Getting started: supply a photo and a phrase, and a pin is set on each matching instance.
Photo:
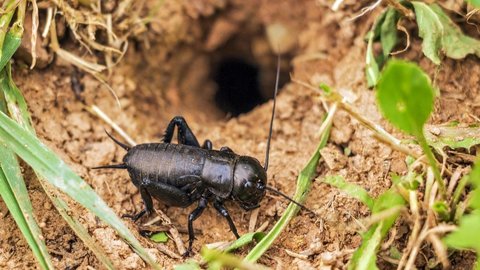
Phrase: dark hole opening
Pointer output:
(238, 85)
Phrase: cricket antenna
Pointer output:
(267, 153)
(124, 146)
(289, 199)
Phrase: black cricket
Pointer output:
(181, 174)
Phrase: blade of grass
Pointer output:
(10, 45)
(18, 109)
(365, 257)
(213, 256)
(303, 184)
(14, 193)
(244, 240)
(351, 190)
(52, 168)
(12, 204)
(5, 20)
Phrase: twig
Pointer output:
(412, 240)
(440, 249)
(33, 38)
(48, 22)
(253, 220)
(376, 218)
(99, 113)
(93, 69)
(173, 232)
(428, 188)
(379, 132)
(404, 30)
(469, 15)
(263, 227)
(365, 10)
(453, 180)
(331, 112)
(296, 255)
(430, 222)
(336, 5)
(405, 11)
(162, 248)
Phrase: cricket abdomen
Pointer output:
(164, 162)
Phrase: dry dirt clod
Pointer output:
(334, 158)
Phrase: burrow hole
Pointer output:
(244, 71)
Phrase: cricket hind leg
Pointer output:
(148, 206)
(184, 134)
(169, 194)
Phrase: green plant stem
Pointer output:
(459, 190)
(303, 184)
(17, 28)
(433, 163)
(457, 209)
(5, 20)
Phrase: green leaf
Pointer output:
(365, 257)
(189, 265)
(388, 32)
(52, 168)
(14, 193)
(441, 208)
(160, 237)
(245, 239)
(351, 190)
(430, 29)
(303, 184)
(371, 67)
(405, 96)
(219, 259)
(326, 89)
(475, 3)
(474, 179)
(475, 175)
(441, 35)
(10, 46)
(453, 137)
(387, 200)
(18, 110)
(395, 253)
(467, 235)
(384, 29)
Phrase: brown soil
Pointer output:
(171, 76)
